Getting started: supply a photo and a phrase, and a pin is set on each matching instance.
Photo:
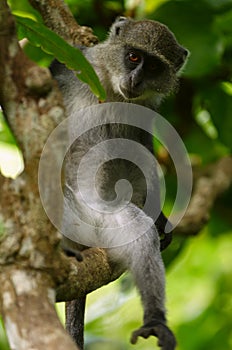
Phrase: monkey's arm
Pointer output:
(143, 259)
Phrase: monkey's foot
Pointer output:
(166, 339)
(73, 253)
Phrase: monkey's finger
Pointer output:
(166, 339)
(142, 332)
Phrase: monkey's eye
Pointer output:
(134, 57)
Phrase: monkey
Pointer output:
(140, 63)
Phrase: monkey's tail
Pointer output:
(74, 314)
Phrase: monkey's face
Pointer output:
(144, 76)
(146, 58)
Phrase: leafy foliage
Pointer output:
(204, 27)
(39, 35)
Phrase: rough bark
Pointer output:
(93, 272)
(211, 183)
(32, 265)
(27, 307)
(29, 256)
(57, 16)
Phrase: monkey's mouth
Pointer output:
(130, 94)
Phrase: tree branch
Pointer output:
(28, 93)
(212, 183)
(29, 250)
(31, 264)
(57, 17)
(27, 306)
(84, 277)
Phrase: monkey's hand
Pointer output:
(162, 223)
(166, 239)
(166, 339)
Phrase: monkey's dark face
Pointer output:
(146, 75)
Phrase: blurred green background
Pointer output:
(199, 269)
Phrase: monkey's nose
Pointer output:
(181, 59)
(185, 53)
(136, 79)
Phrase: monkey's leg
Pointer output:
(74, 312)
(147, 268)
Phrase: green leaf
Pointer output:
(5, 134)
(23, 8)
(39, 35)
(223, 22)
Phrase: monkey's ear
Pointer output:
(118, 25)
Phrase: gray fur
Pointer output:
(142, 256)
